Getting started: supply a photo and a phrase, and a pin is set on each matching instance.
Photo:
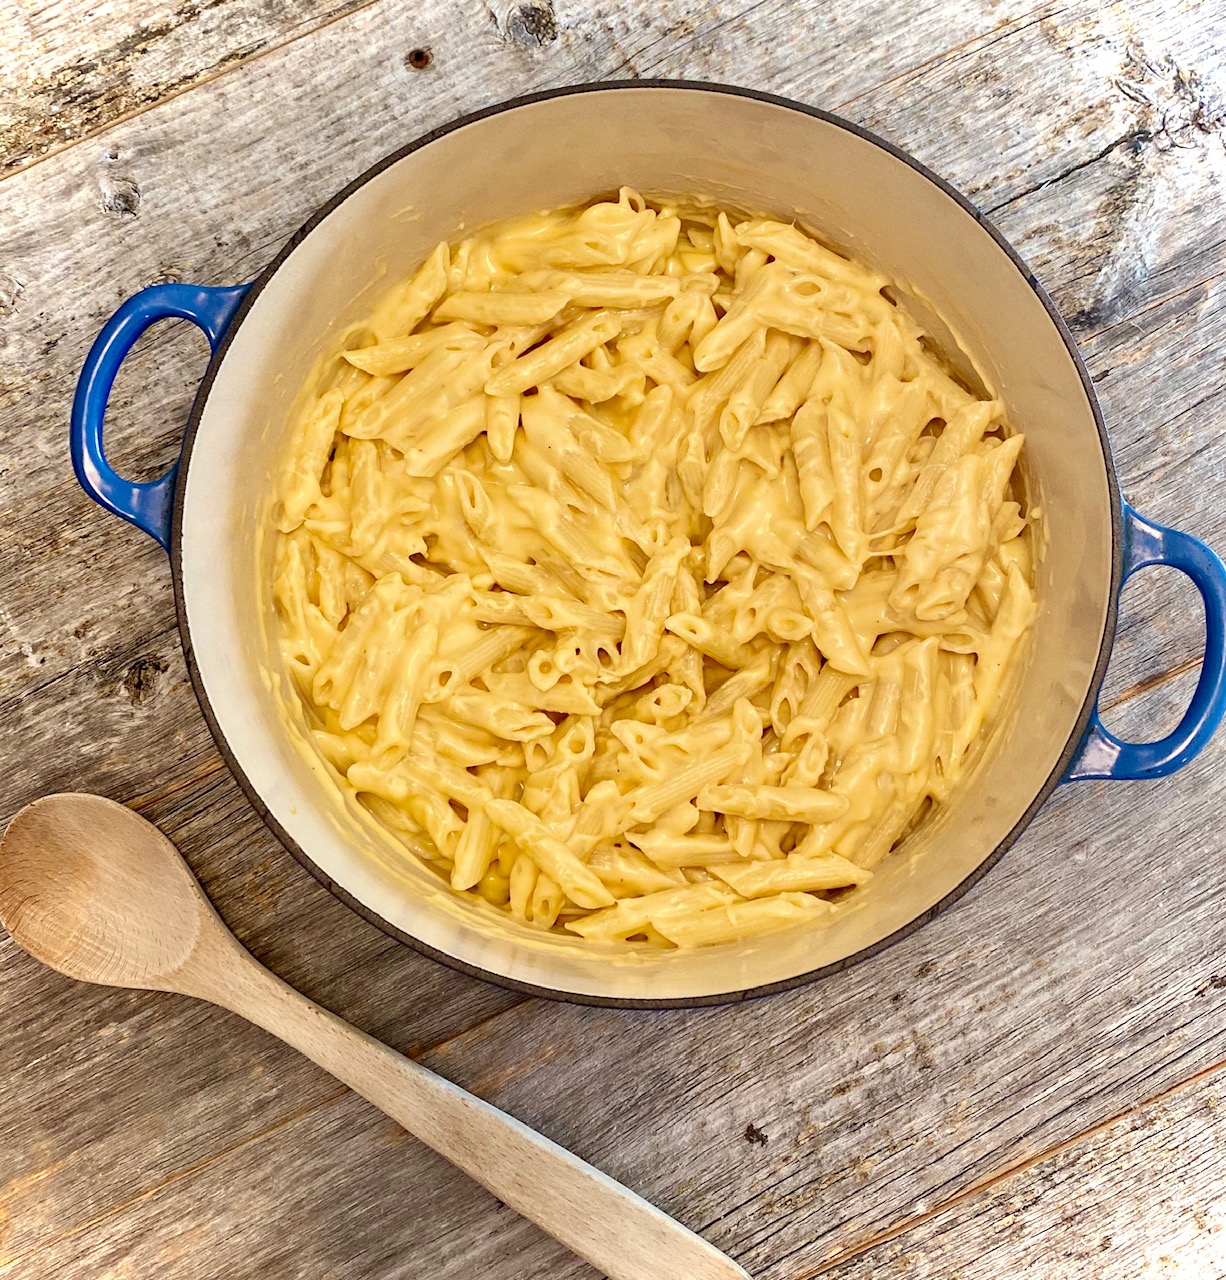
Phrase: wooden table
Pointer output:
(1031, 1086)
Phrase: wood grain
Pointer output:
(348, 1198)
(1075, 982)
(1003, 1028)
(70, 71)
(1074, 1213)
(93, 890)
(76, 73)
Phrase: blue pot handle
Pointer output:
(1102, 754)
(147, 506)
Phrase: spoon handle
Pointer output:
(618, 1232)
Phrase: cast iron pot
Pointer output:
(751, 151)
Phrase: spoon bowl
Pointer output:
(91, 889)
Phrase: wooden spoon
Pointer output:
(93, 890)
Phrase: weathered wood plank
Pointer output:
(1075, 1213)
(75, 73)
(62, 243)
(339, 1191)
(155, 1108)
(73, 77)
(1013, 1028)
(70, 71)
(1095, 80)
(1030, 1012)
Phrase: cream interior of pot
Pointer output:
(749, 154)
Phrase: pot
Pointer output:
(751, 151)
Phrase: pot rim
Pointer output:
(552, 993)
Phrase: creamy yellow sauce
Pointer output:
(645, 573)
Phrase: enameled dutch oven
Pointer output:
(750, 151)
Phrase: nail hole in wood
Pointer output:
(418, 59)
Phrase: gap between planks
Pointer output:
(7, 1261)
(188, 1171)
(1005, 1172)
(1152, 682)
(171, 94)
(1161, 301)
(212, 765)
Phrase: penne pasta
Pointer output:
(534, 838)
(793, 874)
(566, 348)
(501, 308)
(401, 354)
(791, 804)
(646, 574)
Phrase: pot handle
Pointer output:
(148, 505)
(1102, 754)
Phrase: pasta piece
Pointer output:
(542, 363)
(626, 873)
(792, 874)
(735, 920)
(944, 557)
(501, 423)
(402, 354)
(534, 838)
(309, 454)
(632, 915)
(647, 612)
(847, 505)
(793, 387)
(958, 437)
(502, 718)
(1013, 619)
(407, 306)
(708, 639)
(521, 887)
(672, 852)
(460, 427)
(648, 802)
(620, 289)
(746, 401)
(505, 308)
(792, 804)
(398, 714)
(428, 808)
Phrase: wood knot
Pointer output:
(120, 195)
(533, 25)
(141, 682)
(10, 291)
(755, 1136)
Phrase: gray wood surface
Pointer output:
(991, 1098)
(71, 69)
(1069, 1215)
